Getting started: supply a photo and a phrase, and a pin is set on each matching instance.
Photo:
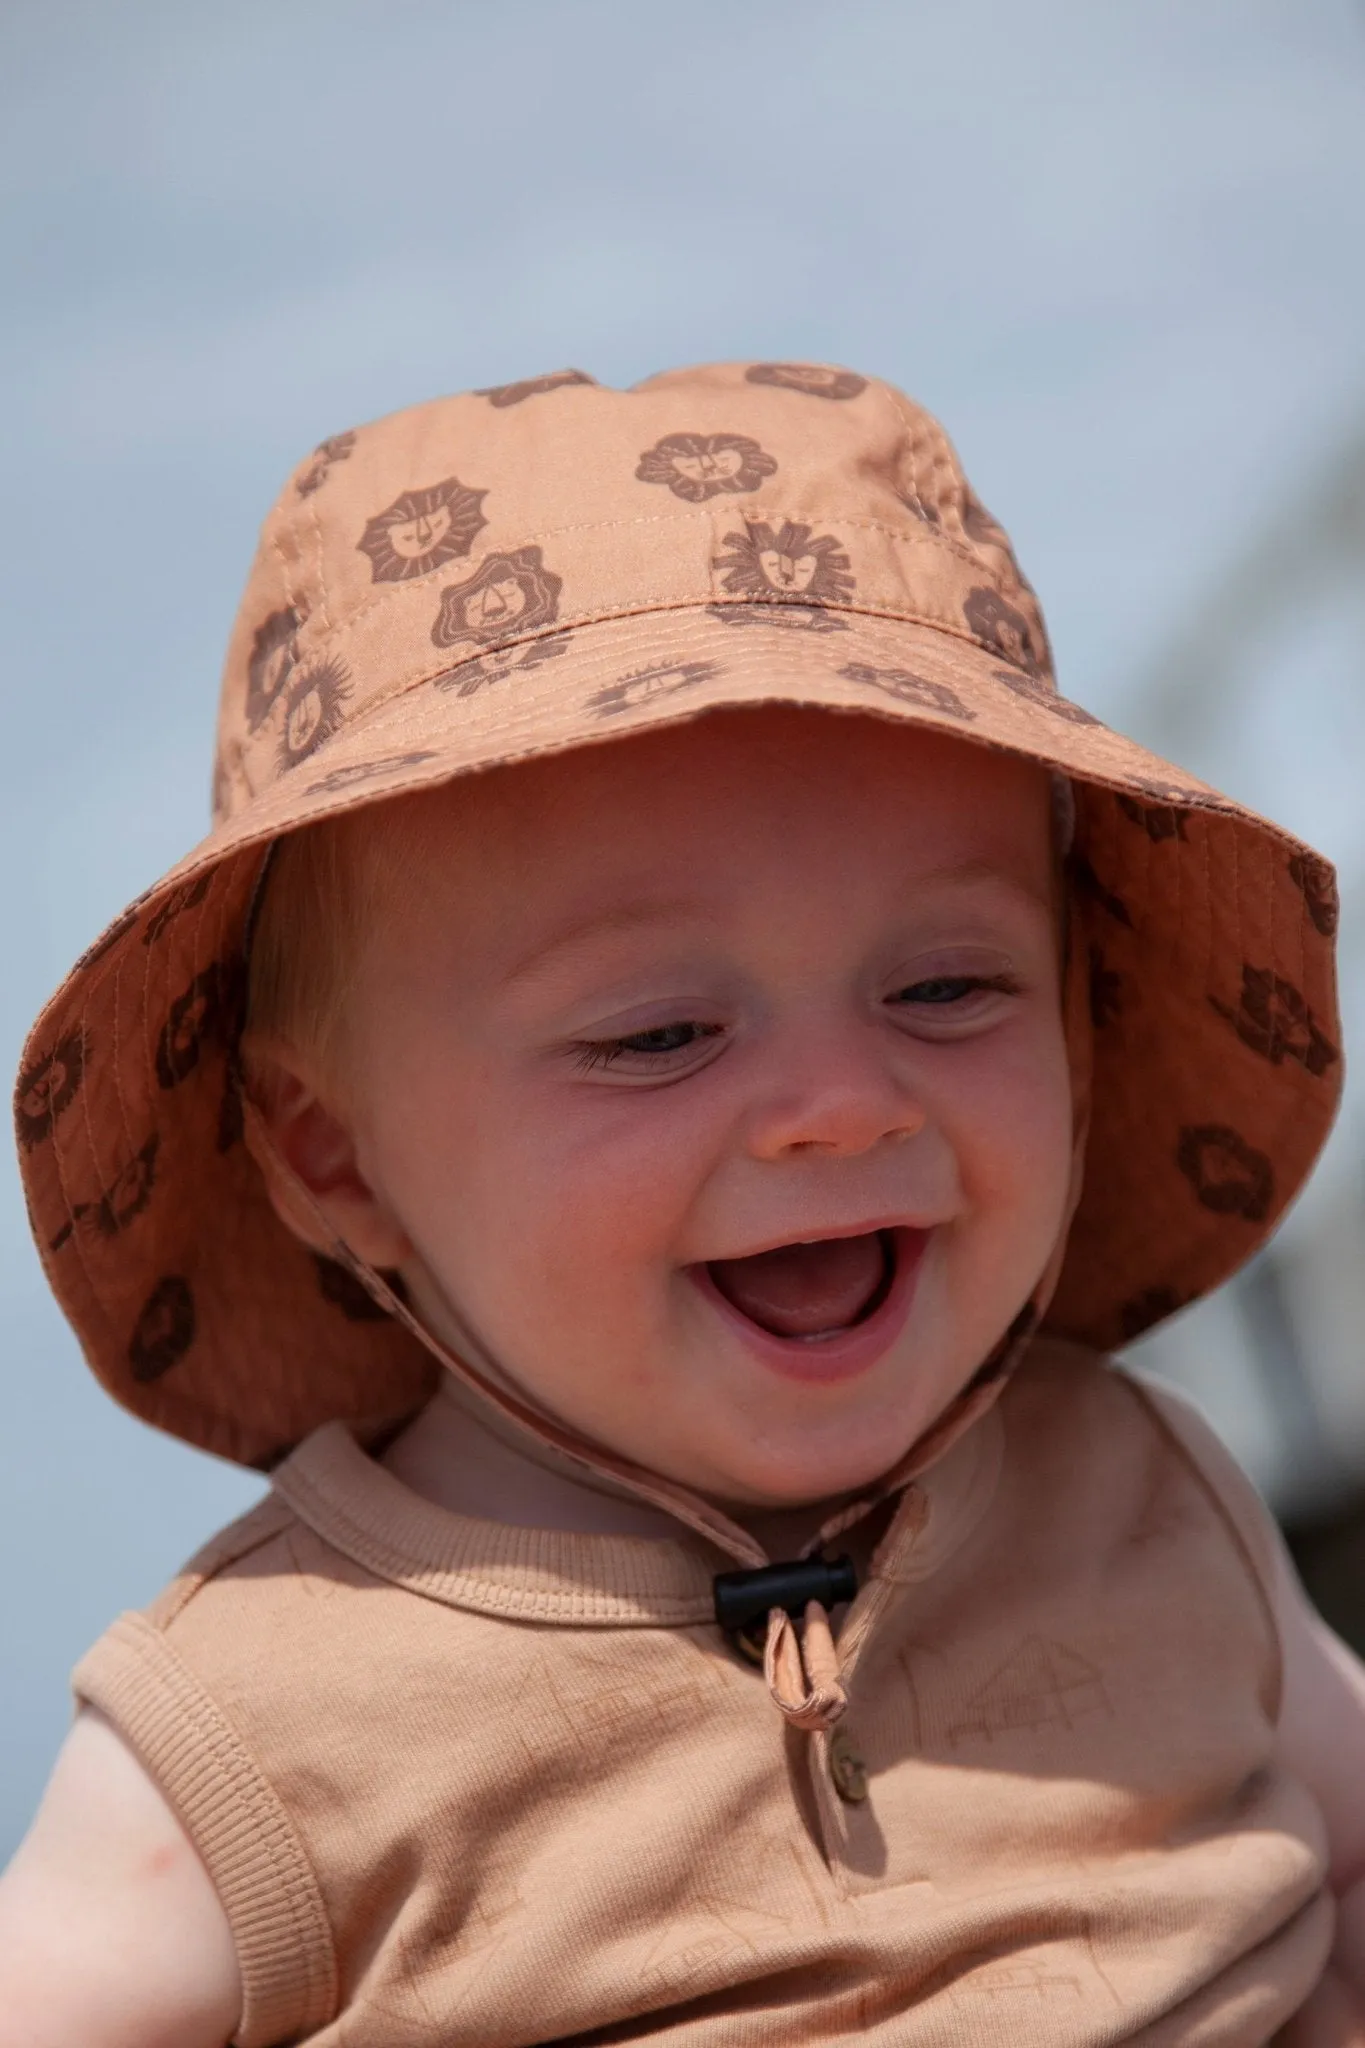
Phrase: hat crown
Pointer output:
(426, 545)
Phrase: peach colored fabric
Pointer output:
(553, 564)
(465, 1783)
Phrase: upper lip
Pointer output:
(870, 1226)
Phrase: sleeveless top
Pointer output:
(462, 1783)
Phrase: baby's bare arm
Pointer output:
(1322, 1740)
(111, 1933)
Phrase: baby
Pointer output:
(678, 1058)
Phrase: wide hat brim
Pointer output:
(1206, 935)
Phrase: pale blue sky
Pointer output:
(1119, 249)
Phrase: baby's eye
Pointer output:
(947, 1001)
(641, 1048)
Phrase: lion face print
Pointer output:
(991, 619)
(356, 773)
(791, 618)
(274, 653)
(49, 1086)
(664, 679)
(503, 395)
(1273, 1019)
(467, 678)
(701, 466)
(164, 1330)
(421, 530)
(125, 1198)
(1317, 883)
(908, 688)
(336, 448)
(314, 709)
(1228, 1176)
(508, 593)
(816, 380)
(208, 1012)
(788, 565)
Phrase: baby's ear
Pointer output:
(306, 1152)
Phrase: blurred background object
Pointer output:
(1118, 249)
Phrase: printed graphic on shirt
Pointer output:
(126, 1196)
(1275, 1021)
(503, 395)
(789, 618)
(421, 530)
(701, 466)
(336, 448)
(314, 708)
(1228, 1175)
(274, 652)
(909, 689)
(48, 1086)
(1317, 884)
(786, 565)
(816, 380)
(645, 684)
(164, 1331)
(708, 1935)
(1042, 1684)
(506, 592)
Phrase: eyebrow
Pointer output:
(652, 911)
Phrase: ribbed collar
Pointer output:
(594, 1581)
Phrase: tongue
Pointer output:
(806, 1290)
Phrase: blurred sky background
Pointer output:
(1118, 247)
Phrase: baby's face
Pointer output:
(714, 1082)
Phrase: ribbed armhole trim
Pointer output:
(234, 1818)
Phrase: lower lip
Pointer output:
(844, 1353)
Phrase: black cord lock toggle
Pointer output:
(742, 1598)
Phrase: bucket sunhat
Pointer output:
(553, 564)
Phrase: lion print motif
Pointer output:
(1316, 882)
(791, 565)
(503, 395)
(164, 1330)
(1038, 690)
(907, 688)
(664, 679)
(1002, 628)
(273, 658)
(794, 618)
(422, 530)
(314, 708)
(188, 896)
(816, 380)
(467, 678)
(49, 1086)
(336, 448)
(125, 1198)
(208, 1012)
(1273, 1019)
(506, 593)
(701, 466)
(357, 772)
(1159, 821)
(1229, 1176)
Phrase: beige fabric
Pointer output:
(550, 565)
(462, 1783)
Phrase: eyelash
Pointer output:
(596, 1055)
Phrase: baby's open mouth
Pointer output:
(813, 1289)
